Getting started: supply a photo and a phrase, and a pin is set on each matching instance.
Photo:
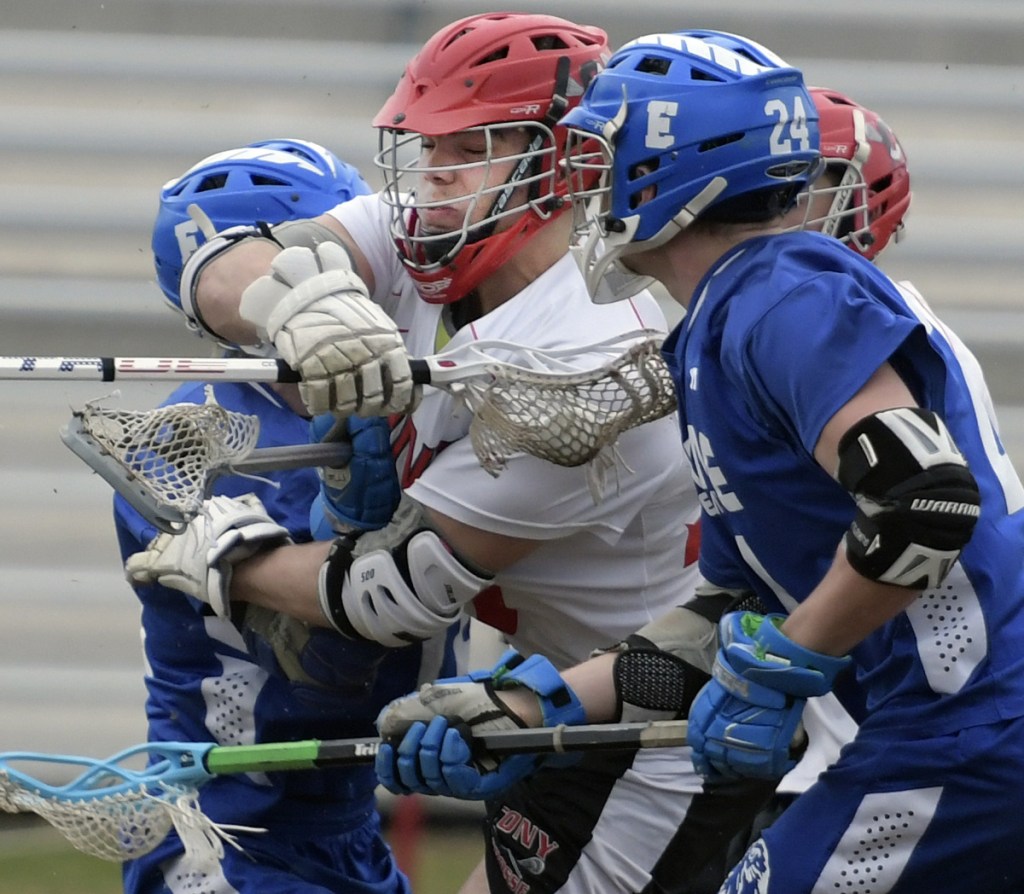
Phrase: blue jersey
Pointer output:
(781, 333)
(204, 686)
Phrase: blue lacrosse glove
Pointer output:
(428, 735)
(744, 721)
(363, 494)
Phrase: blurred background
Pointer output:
(102, 102)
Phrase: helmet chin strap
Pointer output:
(441, 246)
(686, 216)
(617, 238)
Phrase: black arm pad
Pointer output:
(917, 502)
(652, 684)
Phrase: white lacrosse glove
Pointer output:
(199, 560)
(317, 312)
(462, 700)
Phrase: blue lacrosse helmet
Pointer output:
(270, 181)
(744, 46)
(692, 124)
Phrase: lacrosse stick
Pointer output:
(540, 402)
(117, 813)
(164, 462)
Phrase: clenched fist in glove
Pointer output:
(199, 560)
(428, 735)
(745, 720)
(362, 494)
(317, 312)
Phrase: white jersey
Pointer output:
(604, 568)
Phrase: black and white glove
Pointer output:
(199, 560)
(317, 312)
(428, 735)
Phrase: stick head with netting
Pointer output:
(568, 418)
(161, 459)
(114, 812)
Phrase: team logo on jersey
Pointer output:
(713, 489)
(411, 457)
(490, 608)
(753, 873)
(522, 835)
(512, 869)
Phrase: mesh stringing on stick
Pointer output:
(114, 827)
(172, 449)
(113, 812)
(567, 418)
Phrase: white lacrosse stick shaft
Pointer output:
(457, 365)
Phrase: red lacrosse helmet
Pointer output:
(871, 201)
(495, 74)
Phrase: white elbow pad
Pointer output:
(214, 247)
(399, 596)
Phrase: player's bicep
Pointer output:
(885, 390)
(917, 501)
(484, 548)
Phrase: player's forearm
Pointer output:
(593, 683)
(220, 287)
(843, 609)
(284, 580)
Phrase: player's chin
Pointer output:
(441, 221)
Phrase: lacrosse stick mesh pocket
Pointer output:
(567, 418)
(116, 827)
(172, 449)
